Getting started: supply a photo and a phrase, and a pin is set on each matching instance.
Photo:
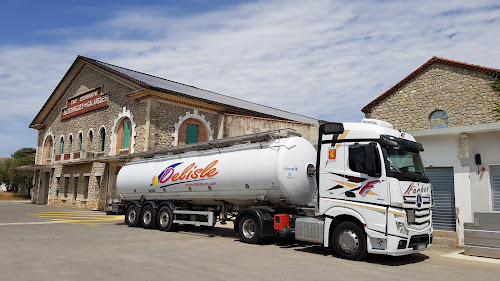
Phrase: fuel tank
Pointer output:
(275, 172)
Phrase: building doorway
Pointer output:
(43, 194)
(443, 212)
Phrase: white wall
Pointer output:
(450, 151)
(488, 145)
(472, 190)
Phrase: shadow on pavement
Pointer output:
(396, 261)
(200, 231)
(300, 246)
(374, 259)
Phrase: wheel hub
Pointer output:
(248, 228)
(147, 217)
(164, 218)
(348, 241)
(132, 216)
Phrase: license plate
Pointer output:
(421, 246)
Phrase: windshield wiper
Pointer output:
(393, 165)
(412, 174)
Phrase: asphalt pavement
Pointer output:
(54, 243)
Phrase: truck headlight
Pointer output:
(401, 227)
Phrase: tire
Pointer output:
(147, 217)
(165, 219)
(249, 230)
(132, 216)
(349, 241)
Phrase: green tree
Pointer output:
(14, 179)
(24, 152)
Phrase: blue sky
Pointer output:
(324, 59)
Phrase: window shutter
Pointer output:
(192, 133)
(126, 135)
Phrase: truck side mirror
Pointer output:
(331, 129)
(373, 167)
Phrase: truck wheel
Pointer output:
(165, 219)
(148, 219)
(349, 241)
(132, 216)
(249, 230)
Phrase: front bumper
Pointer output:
(398, 245)
(397, 241)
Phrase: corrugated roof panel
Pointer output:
(207, 95)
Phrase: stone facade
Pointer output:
(165, 115)
(464, 94)
(86, 177)
(235, 125)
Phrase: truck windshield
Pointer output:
(404, 164)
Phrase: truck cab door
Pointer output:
(331, 169)
(365, 177)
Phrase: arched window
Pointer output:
(438, 119)
(123, 136)
(80, 141)
(192, 127)
(70, 142)
(48, 149)
(192, 131)
(91, 140)
(102, 133)
(61, 148)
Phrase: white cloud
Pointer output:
(324, 59)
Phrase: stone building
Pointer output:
(448, 106)
(100, 112)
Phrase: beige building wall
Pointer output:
(234, 125)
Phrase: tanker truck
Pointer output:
(363, 190)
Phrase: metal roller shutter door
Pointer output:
(443, 212)
(495, 186)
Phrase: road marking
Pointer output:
(34, 222)
(91, 218)
(458, 255)
(15, 202)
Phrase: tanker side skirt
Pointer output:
(208, 214)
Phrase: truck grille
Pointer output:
(418, 219)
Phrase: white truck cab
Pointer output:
(373, 173)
